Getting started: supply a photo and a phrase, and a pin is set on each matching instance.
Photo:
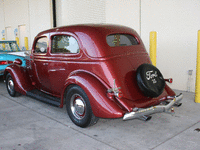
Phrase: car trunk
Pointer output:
(122, 69)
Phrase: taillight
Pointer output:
(10, 62)
(5, 62)
(170, 80)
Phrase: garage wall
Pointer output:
(176, 23)
(84, 11)
(2, 27)
(40, 16)
(34, 15)
(15, 14)
(124, 12)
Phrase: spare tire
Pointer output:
(150, 80)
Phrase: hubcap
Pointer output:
(10, 85)
(78, 106)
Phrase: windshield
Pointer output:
(8, 47)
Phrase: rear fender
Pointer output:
(20, 77)
(96, 91)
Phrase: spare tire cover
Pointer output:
(150, 80)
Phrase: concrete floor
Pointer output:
(28, 124)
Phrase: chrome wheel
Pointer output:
(10, 85)
(78, 106)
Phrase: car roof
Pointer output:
(87, 28)
(93, 36)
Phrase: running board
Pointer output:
(44, 97)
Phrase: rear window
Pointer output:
(115, 40)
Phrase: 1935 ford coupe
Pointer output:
(98, 71)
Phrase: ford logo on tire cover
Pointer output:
(150, 80)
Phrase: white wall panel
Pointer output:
(40, 16)
(80, 12)
(14, 13)
(2, 23)
(176, 23)
(59, 12)
(9, 34)
(21, 35)
(124, 12)
(36, 15)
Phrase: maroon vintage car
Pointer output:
(98, 71)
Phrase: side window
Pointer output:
(41, 45)
(64, 44)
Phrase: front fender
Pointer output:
(20, 77)
(96, 91)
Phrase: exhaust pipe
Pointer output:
(145, 118)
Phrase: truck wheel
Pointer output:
(78, 107)
(11, 86)
(150, 80)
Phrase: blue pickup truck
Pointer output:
(9, 51)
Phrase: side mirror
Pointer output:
(18, 61)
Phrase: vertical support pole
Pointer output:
(26, 42)
(153, 44)
(54, 13)
(197, 90)
(17, 40)
(3, 39)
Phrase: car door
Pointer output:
(64, 53)
(40, 64)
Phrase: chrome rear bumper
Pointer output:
(140, 113)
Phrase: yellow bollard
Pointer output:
(197, 90)
(26, 42)
(17, 40)
(152, 44)
(3, 39)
